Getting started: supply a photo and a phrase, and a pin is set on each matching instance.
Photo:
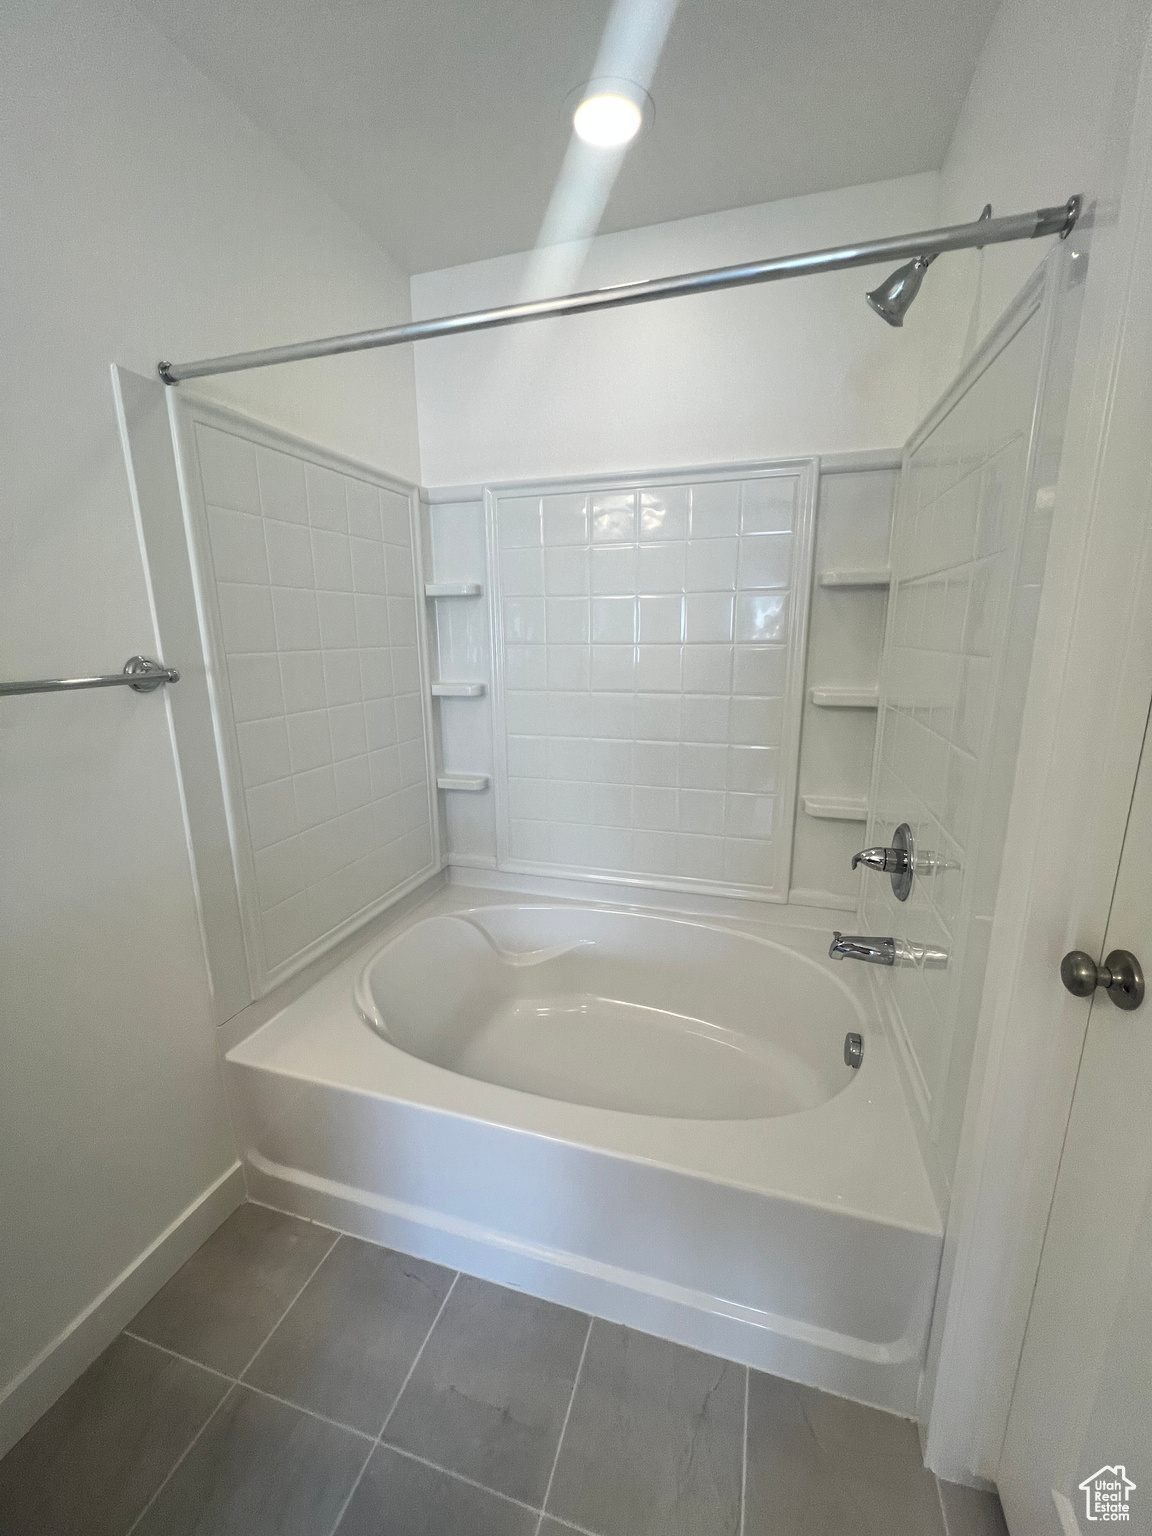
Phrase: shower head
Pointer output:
(892, 298)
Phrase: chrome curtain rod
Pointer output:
(956, 237)
(140, 673)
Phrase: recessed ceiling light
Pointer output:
(607, 120)
(608, 112)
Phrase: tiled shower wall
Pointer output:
(652, 650)
(308, 583)
(687, 575)
(969, 544)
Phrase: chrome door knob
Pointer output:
(1120, 976)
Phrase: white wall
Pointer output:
(143, 217)
(785, 370)
(1031, 132)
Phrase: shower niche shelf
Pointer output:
(845, 698)
(459, 690)
(860, 580)
(452, 589)
(835, 807)
(469, 783)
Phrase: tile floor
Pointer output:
(292, 1382)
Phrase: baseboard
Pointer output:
(73, 1350)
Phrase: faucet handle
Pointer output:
(887, 860)
(899, 861)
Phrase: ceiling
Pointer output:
(440, 126)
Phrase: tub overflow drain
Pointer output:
(853, 1049)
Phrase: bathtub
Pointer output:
(647, 1115)
(645, 1014)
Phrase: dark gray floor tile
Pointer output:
(347, 1344)
(98, 1455)
(821, 1466)
(654, 1443)
(401, 1497)
(221, 1306)
(489, 1395)
(261, 1468)
(971, 1511)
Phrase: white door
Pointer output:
(1077, 1457)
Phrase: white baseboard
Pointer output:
(75, 1347)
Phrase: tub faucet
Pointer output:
(855, 946)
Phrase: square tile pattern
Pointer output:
(646, 654)
(292, 1382)
(968, 557)
(315, 591)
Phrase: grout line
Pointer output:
(361, 1434)
(461, 1477)
(288, 1308)
(416, 1361)
(372, 1448)
(744, 1454)
(180, 1460)
(355, 1484)
(569, 1525)
(176, 1355)
(564, 1427)
(943, 1510)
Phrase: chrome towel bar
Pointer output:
(140, 673)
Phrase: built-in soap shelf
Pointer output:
(452, 589)
(859, 579)
(470, 783)
(459, 690)
(834, 807)
(845, 698)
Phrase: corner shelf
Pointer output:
(459, 690)
(834, 808)
(859, 579)
(470, 783)
(452, 589)
(845, 698)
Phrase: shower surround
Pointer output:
(308, 571)
(612, 679)
(641, 696)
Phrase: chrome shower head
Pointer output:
(892, 298)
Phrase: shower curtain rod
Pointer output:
(955, 237)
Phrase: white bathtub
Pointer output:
(641, 1114)
(647, 1014)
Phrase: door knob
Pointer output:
(1120, 976)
